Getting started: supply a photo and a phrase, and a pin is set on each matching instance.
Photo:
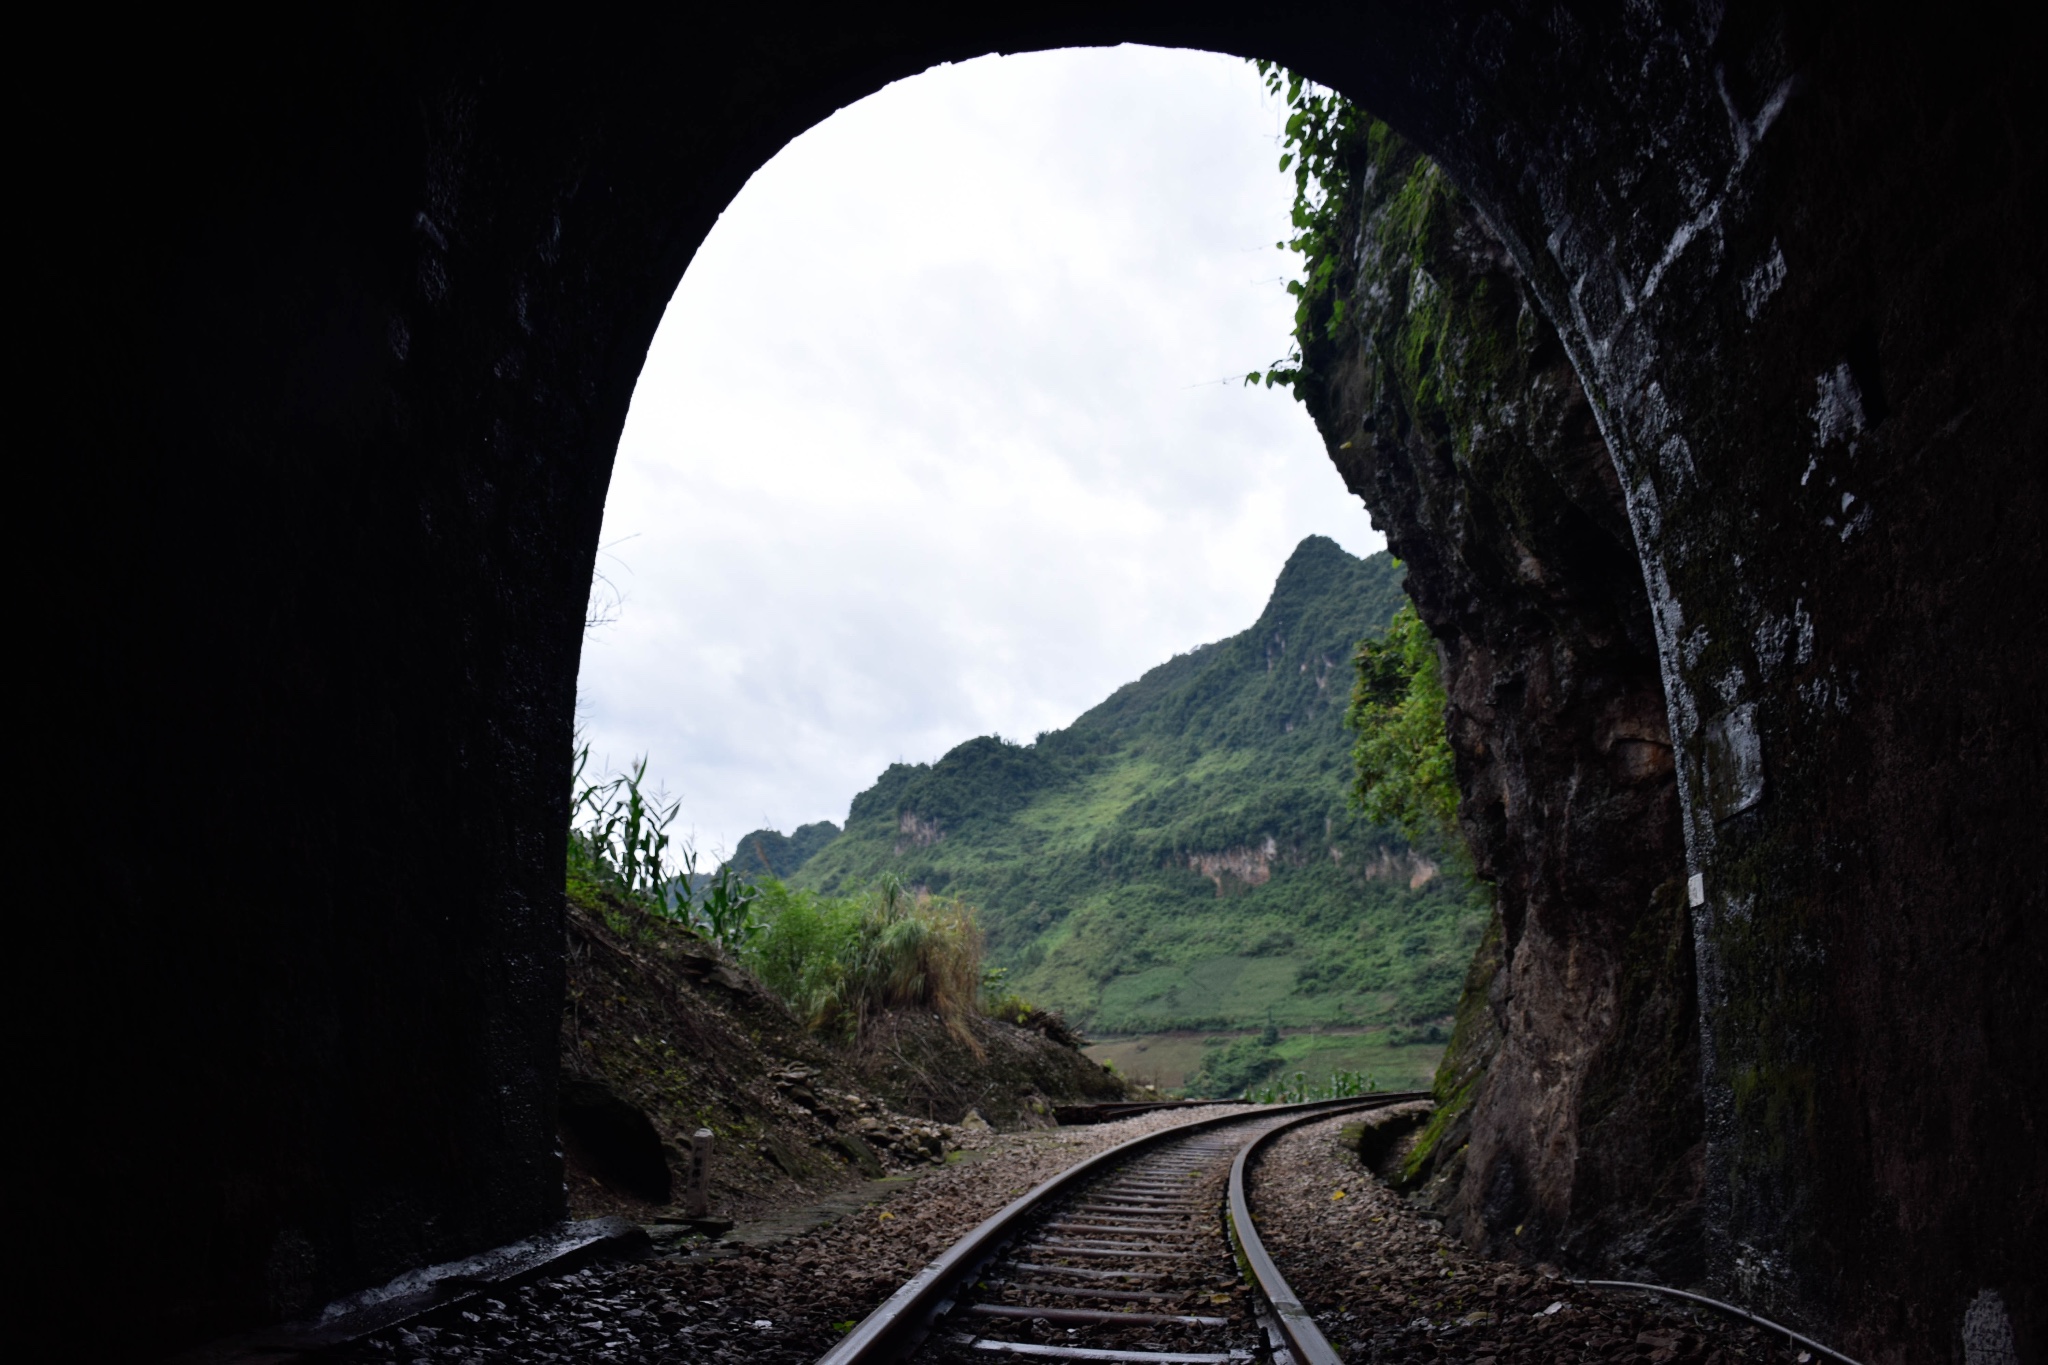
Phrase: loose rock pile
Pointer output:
(878, 1135)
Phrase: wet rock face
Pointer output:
(1450, 406)
(1783, 250)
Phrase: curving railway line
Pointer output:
(1145, 1253)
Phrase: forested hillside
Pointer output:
(1182, 856)
(768, 853)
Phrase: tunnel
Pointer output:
(333, 322)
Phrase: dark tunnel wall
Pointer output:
(330, 333)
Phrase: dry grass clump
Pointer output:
(840, 961)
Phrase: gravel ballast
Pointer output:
(784, 1302)
(1387, 1284)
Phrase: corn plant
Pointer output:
(721, 908)
(618, 834)
(1341, 1085)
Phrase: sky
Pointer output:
(944, 433)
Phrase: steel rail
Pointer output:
(1742, 1314)
(901, 1323)
(1296, 1326)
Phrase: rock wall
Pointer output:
(1783, 248)
(1451, 408)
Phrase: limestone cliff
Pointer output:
(1573, 1121)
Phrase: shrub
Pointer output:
(803, 945)
(1326, 137)
(1230, 1068)
(1405, 772)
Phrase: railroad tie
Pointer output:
(1089, 1317)
(1035, 1351)
(1110, 1253)
(1087, 1291)
(1182, 1211)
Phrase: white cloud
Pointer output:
(929, 444)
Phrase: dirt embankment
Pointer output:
(662, 1034)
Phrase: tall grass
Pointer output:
(842, 961)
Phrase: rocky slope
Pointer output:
(1572, 1120)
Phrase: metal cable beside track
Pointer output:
(1121, 1257)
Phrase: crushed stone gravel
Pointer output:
(1387, 1284)
(784, 1302)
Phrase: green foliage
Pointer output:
(805, 946)
(1121, 867)
(1405, 772)
(1326, 139)
(623, 841)
(841, 960)
(723, 907)
(1230, 1068)
(1388, 261)
(770, 853)
(1298, 1089)
(1374, 225)
(1245, 1066)
(621, 847)
(1000, 1001)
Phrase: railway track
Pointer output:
(1146, 1253)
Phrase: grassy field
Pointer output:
(1165, 1059)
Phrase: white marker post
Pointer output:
(697, 1189)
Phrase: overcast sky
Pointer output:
(942, 434)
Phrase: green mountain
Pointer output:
(1182, 856)
(767, 853)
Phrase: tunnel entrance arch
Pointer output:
(368, 383)
(965, 338)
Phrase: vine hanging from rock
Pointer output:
(1325, 140)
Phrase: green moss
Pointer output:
(1474, 1039)
(1446, 326)
(1421, 1158)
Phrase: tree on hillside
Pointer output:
(1405, 774)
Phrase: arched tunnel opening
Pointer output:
(344, 414)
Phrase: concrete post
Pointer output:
(697, 1191)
